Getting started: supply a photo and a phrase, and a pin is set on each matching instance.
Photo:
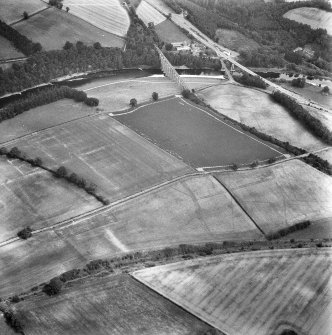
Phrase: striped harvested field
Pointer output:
(108, 15)
(282, 195)
(114, 305)
(52, 28)
(314, 17)
(256, 293)
(148, 14)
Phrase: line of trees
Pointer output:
(249, 80)
(20, 41)
(286, 231)
(61, 172)
(45, 96)
(312, 123)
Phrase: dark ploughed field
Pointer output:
(196, 135)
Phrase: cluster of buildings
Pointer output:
(196, 49)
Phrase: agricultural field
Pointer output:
(12, 11)
(111, 305)
(256, 109)
(104, 152)
(148, 14)
(170, 33)
(107, 15)
(195, 135)
(33, 197)
(254, 293)
(7, 50)
(314, 17)
(192, 210)
(43, 117)
(52, 28)
(234, 40)
(296, 192)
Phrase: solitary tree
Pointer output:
(326, 89)
(54, 287)
(67, 9)
(61, 172)
(68, 45)
(25, 15)
(25, 233)
(155, 96)
(133, 102)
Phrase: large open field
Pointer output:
(52, 28)
(7, 50)
(43, 117)
(32, 197)
(106, 153)
(191, 210)
(256, 109)
(195, 135)
(314, 17)
(284, 194)
(254, 293)
(148, 14)
(108, 15)
(170, 33)
(113, 305)
(12, 11)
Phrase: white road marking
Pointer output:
(116, 241)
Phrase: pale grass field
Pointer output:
(314, 17)
(254, 293)
(8, 50)
(283, 195)
(256, 109)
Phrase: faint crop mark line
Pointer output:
(116, 241)
(207, 113)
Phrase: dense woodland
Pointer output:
(262, 22)
(41, 67)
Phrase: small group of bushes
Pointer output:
(299, 82)
(249, 80)
(312, 123)
(61, 172)
(20, 42)
(43, 97)
(318, 163)
(288, 230)
(25, 233)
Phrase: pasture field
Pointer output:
(234, 40)
(111, 305)
(253, 293)
(7, 50)
(106, 153)
(170, 33)
(192, 210)
(52, 28)
(314, 17)
(284, 194)
(42, 117)
(148, 14)
(195, 135)
(12, 11)
(107, 15)
(256, 109)
(33, 197)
